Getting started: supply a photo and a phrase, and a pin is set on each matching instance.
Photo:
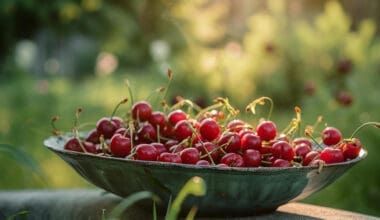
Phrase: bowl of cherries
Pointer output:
(249, 167)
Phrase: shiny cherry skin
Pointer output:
(158, 119)
(141, 111)
(299, 140)
(350, 148)
(302, 149)
(160, 147)
(146, 152)
(189, 155)
(147, 133)
(183, 130)
(230, 141)
(252, 158)
(209, 129)
(250, 141)
(283, 150)
(106, 127)
(93, 136)
(331, 155)
(266, 130)
(331, 136)
(120, 146)
(175, 116)
(169, 157)
(236, 125)
(311, 156)
(233, 160)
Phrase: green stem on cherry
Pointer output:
(261, 101)
(376, 124)
(117, 107)
(170, 77)
(309, 133)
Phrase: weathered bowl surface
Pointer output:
(230, 191)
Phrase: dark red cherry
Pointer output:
(93, 136)
(189, 155)
(146, 152)
(118, 121)
(203, 163)
(331, 136)
(311, 156)
(183, 130)
(74, 144)
(175, 116)
(233, 160)
(252, 158)
(106, 127)
(160, 147)
(120, 146)
(230, 141)
(169, 157)
(250, 141)
(147, 133)
(302, 149)
(141, 111)
(283, 150)
(209, 129)
(266, 130)
(235, 125)
(281, 163)
(176, 148)
(158, 119)
(207, 150)
(331, 155)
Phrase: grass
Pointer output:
(28, 104)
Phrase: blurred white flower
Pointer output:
(106, 63)
(159, 50)
(25, 54)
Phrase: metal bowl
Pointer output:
(230, 191)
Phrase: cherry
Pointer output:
(230, 141)
(283, 150)
(168, 144)
(106, 127)
(169, 157)
(331, 155)
(207, 150)
(344, 66)
(118, 121)
(146, 152)
(74, 144)
(317, 163)
(222, 165)
(189, 155)
(176, 148)
(267, 130)
(157, 119)
(331, 136)
(350, 148)
(299, 140)
(175, 116)
(344, 98)
(246, 131)
(281, 163)
(252, 158)
(311, 156)
(93, 136)
(160, 147)
(141, 111)
(123, 131)
(209, 129)
(232, 160)
(235, 125)
(147, 133)
(183, 130)
(250, 141)
(302, 149)
(120, 146)
(203, 163)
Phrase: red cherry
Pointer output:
(106, 127)
(93, 136)
(246, 131)
(146, 152)
(312, 155)
(175, 116)
(299, 140)
(169, 157)
(350, 148)
(331, 136)
(168, 144)
(176, 148)
(120, 146)
(222, 165)
(209, 129)
(344, 98)
(317, 163)
(331, 155)
(118, 121)
(74, 144)
(235, 125)
(160, 147)
(283, 150)
(267, 130)
(230, 141)
(281, 163)
(189, 155)
(302, 149)
(252, 158)
(207, 150)
(183, 130)
(250, 141)
(141, 111)
(233, 160)
(157, 119)
(203, 163)
(123, 132)
(147, 133)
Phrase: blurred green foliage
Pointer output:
(51, 62)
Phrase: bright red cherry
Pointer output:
(233, 160)
(230, 141)
(160, 147)
(283, 150)
(157, 119)
(141, 111)
(209, 129)
(183, 130)
(120, 146)
(250, 141)
(252, 158)
(350, 148)
(311, 156)
(299, 140)
(331, 136)
(189, 155)
(169, 157)
(146, 152)
(175, 116)
(331, 155)
(267, 130)
(106, 127)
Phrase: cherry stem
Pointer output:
(187, 102)
(314, 140)
(103, 144)
(131, 131)
(81, 144)
(170, 77)
(376, 124)
(75, 127)
(261, 101)
(117, 107)
(52, 123)
(209, 108)
(130, 91)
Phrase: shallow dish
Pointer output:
(230, 191)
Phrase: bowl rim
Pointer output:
(58, 148)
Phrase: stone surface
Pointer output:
(92, 203)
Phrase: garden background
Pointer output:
(323, 56)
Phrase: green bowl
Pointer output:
(230, 191)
